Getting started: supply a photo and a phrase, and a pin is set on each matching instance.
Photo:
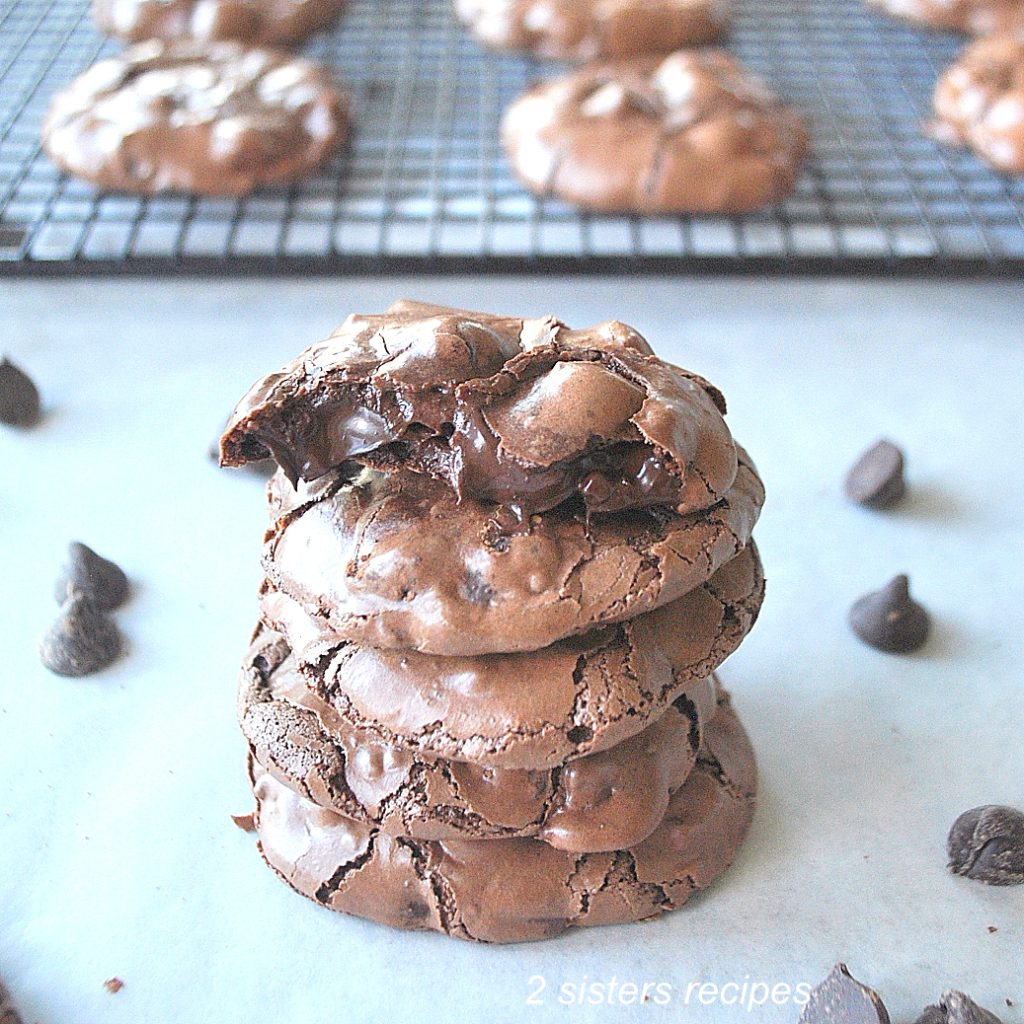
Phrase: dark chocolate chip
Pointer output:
(841, 999)
(83, 640)
(876, 478)
(99, 579)
(987, 844)
(956, 1008)
(890, 619)
(19, 397)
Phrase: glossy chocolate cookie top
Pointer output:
(522, 413)
(397, 561)
(515, 890)
(694, 132)
(263, 22)
(214, 119)
(604, 801)
(536, 709)
(977, 17)
(587, 29)
(979, 101)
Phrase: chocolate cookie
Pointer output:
(585, 694)
(263, 22)
(977, 17)
(604, 801)
(979, 101)
(514, 890)
(693, 132)
(585, 29)
(215, 119)
(397, 561)
(526, 413)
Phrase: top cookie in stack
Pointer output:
(505, 558)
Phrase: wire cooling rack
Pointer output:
(422, 186)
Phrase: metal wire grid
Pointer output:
(423, 184)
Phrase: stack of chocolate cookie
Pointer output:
(505, 559)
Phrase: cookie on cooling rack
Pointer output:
(976, 17)
(264, 22)
(587, 29)
(693, 132)
(213, 119)
(979, 102)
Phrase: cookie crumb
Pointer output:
(992, 929)
(113, 985)
(245, 822)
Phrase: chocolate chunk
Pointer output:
(8, 1012)
(83, 640)
(19, 397)
(957, 1008)
(987, 844)
(890, 619)
(113, 985)
(97, 578)
(876, 478)
(244, 821)
(841, 999)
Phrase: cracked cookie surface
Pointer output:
(604, 801)
(396, 561)
(261, 22)
(206, 118)
(523, 413)
(587, 29)
(515, 890)
(694, 132)
(979, 101)
(540, 708)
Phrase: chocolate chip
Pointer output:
(956, 1008)
(841, 999)
(19, 397)
(83, 640)
(987, 844)
(876, 478)
(890, 619)
(99, 579)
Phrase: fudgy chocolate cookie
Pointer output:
(585, 29)
(526, 413)
(977, 17)
(693, 132)
(215, 119)
(263, 22)
(604, 801)
(397, 561)
(584, 695)
(979, 102)
(514, 890)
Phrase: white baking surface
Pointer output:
(117, 855)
